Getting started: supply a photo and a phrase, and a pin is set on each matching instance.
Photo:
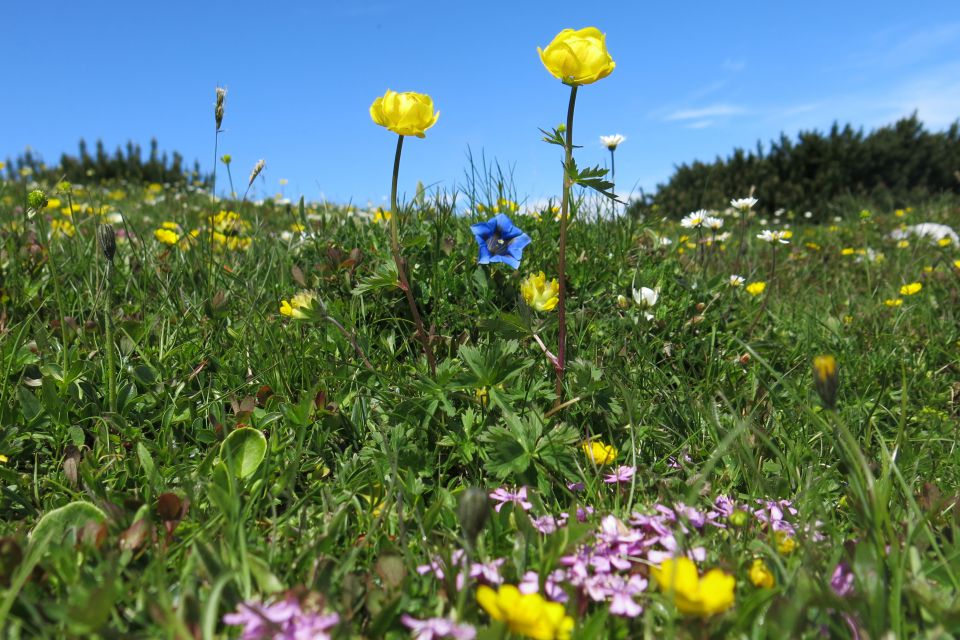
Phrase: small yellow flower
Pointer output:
(893, 302)
(903, 244)
(381, 216)
(756, 288)
(54, 203)
(578, 57)
(928, 269)
(26, 172)
(3, 458)
(599, 453)
(847, 319)
(299, 306)
(540, 294)
(407, 114)
(526, 614)
(166, 236)
(62, 228)
(760, 574)
(944, 242)
(813, 246)
(155, 188)
(910, 289)
(956, 264)
(786, 544)
(848, 251)
(483, 395)
(693, 595)
(899, 213)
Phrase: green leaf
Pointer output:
(243, 451)
(55, 524)
(385, 277)
(554, 136)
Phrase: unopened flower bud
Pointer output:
(473, 510)
(622, 301)
(825, 380)
(107, 239)
(226, 158)
(738, 518)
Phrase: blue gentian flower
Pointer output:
(500, 241)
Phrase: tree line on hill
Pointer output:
(125, 164)
(893, 166)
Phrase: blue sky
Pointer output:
(693, 80)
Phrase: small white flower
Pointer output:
(736, 281)
(723, 237)
(665, 241)
(645, 297)
(612, 142)
(768, 235)
(694, 220)
(779, 212)
(837, 218)
(763, 221)
(713, 222)
(743, 204)
(808, 214)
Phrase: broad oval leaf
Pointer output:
(53, 525)
(243, 451)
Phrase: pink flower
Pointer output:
(842, 580)
(438, 628)
(623, 474)
(502, 496)
(283, 620)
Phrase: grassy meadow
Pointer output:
(181, 459)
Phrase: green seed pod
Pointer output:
(37, 199)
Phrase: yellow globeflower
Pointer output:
(578, 57)
(299, 306)
(166, 236)
(760, 574)
(540, 294)
(527, 614)
(599, 453)
(693, 595)
(910, 289)
(756, 288)
(408, 113)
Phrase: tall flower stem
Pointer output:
(562, 262)
(613, 177)
(401, 263)
(108, 338)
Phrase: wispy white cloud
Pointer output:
(895, 48)
(935, 96)
(699, 124)
(712, 111)
(734, 66)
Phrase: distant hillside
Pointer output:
(891, 166)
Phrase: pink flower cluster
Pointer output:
(281, 620)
